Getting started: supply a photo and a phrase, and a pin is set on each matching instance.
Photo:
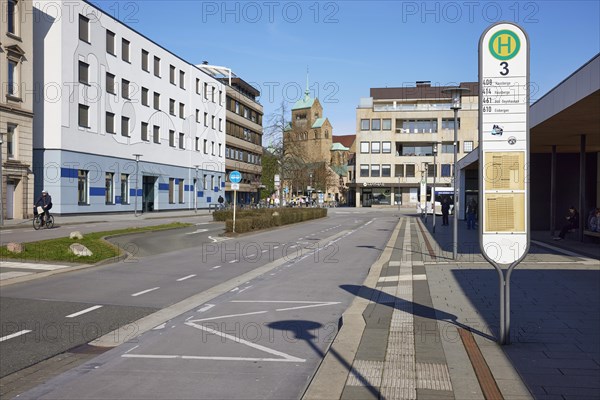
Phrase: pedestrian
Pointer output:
(471, 213)
(277, 202)
(220, 200)
(445, 211)
(595, 221)
(572, 223)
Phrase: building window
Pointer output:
(364, 170)
(145, 131)
(364, 147)
(181, 110)
(212, 148)
(416, 125)
(13, 78)
(125, 89)
(171, 138)
(124, 189)
(448, 123)
(82, 187)
(110, 122)
(145, 101)
(213, 94)
(108, 187)
(220, 125)
(83, 116)
(13, 17)
(156, 134)
(181, 191)
(212, 122)
(399, 170)
(197, 144)
(468, 146)
(110, 83)
(181, 141)
(11, 130)
(157, 101)
(205, 147)
(206, 119)
(156, 66)
(110, 42)
(375, 171)
(172, 74)
(431, 170)
(220, 149)
(182, 79)
(125, 50)
(448, 148)
(84, 29)
(171, 190)
(197, 86)
(387, 124)
(386, 170)
(375, 147)
(205, 91)
(410, 170)
(364, 124)
(220, 181)
(446, 170)
(386, 147)
(171, 106)
(145, 61)
(124, 126)
(375, 124)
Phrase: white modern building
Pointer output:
(106, 93)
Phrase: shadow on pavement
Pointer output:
(555, 325)
(379, 297)
(301, 329)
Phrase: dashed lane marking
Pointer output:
(87, 310)
(14, 335)
(144, 291)
(186, 277)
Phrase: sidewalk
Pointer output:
(423, 326)
(97, 218)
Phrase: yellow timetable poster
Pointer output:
(504, 171)
(504, 212)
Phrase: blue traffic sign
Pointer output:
(235, 177)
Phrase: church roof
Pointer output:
(345, 140)
(318, 123)
(339, 146)
(305, 102)
(341, 170)
(287, 127)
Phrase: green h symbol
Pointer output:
(501, 45)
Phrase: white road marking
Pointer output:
(87, 310)
(264, 251)
(309, 306)
(244, 289)
(197, 231)
(253, 359)
(202, 223)
(228, 316)
(23, 265)
(233, 261)
(216, 267)
(148, 356)
(186, 277)
(159, 327)
(13, 274)
(133, 348)
(285, 357)
(14, 335)
(205, 308)
(144, 291)
(218, 239)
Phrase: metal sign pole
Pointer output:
(234, 207)
(504, 155)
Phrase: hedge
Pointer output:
(253, 220)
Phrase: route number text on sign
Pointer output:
(504, 143)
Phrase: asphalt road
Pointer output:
(306, 263)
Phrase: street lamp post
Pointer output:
(455, 94)
(433, 189)
(310, 190)
(425, 178)
(196, 191)
(137, 162)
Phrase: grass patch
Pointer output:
(54, 250)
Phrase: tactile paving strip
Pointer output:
(433, 376)
(365, 373)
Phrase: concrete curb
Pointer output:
(331, 376)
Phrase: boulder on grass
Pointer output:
(15, 247)
(76, 235)
(80, 250)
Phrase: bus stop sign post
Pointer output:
(504, 229)
(235, 177)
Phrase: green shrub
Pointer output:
(251, 220)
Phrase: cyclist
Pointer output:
(45, 201)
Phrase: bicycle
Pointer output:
(38, 220)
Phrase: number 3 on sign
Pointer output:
(504, 66)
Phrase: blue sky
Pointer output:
(352, 46)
